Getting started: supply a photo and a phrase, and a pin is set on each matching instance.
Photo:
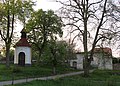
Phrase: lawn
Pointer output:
(16, 72)
(97, 78)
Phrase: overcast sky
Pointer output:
(46, 4)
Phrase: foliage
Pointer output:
(57, 52)
(67, 50)
(43, 26)
(61, 49)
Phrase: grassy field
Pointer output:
(33, 71)
(97, 78)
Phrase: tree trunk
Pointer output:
(54, 70)
(38, 59)
(85, 61)
(86, 66)
(7, 55)
(54, 63)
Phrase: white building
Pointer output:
(102, 59)
(78, 63)
(22, 54)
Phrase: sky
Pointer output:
(47, 4)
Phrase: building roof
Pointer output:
(99, 50)
(23, 42)
(103, 50)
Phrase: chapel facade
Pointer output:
(22, 54)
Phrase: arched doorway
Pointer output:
(74, 64)
(21, 60)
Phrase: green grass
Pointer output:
(103, 75)
(97, 78)
(33, 71)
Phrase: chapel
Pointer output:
(22, 53)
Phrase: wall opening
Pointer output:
(21, 60)
(74, 64)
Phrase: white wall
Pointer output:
(71, 62)
(102, 62)
(98, 61)
(79, 61)
(106, 64)
(26, 50)
(109, 64)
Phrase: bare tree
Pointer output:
(86, 18)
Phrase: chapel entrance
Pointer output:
(74, 64)
(21, 60)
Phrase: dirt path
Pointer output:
(40, 78)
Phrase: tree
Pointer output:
(55, 55)
(84, 16)
(67, 50)
(10, 12)
(57, 52)
(43, 26)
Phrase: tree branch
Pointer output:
(98, 28)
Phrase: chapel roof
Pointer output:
(23, 42)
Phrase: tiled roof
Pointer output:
(99, 50)
(104, 50)
(23, 42)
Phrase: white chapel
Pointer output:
(22, 54)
